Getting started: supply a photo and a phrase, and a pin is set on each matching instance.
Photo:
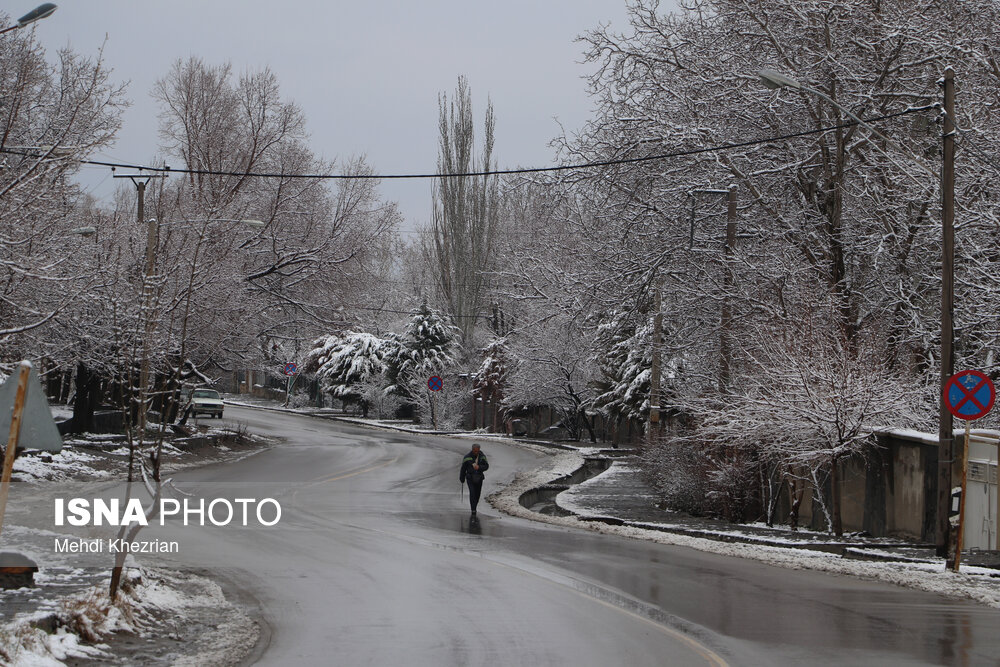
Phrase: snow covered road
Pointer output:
(375, 562)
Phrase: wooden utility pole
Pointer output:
(654, 370)
(15, 432)
(725, 338)
(149, 324)
(945, 429)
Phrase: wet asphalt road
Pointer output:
(375, 562)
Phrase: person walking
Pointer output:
(474, 464)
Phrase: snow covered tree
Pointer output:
(429, 346)
(553, 366)
(838, 207)
(623, 389)
(466, 219)
(490, 381)
(346, 363)
(56, 112)
(806, 399)
(319, 248)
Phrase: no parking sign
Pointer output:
(969, 395)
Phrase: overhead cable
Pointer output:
(495, 172)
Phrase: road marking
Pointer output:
(708, 654)
(334, 478)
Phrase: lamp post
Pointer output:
(775, 80)
(37, 14)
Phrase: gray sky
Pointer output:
(367, 73)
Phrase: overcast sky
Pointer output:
(367, 73)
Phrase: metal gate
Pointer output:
(981, 506)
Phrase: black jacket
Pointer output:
(471, 473)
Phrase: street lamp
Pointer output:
(774, 81)
(37, 14)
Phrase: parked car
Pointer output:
(206, 402)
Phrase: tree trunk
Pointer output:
(797, 489)
(83, 405)
(589, 425)
(838, 526)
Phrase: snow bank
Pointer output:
(150, 599)
(70, 463)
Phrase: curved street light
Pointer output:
(249, 222)
(37, 14)
(776, 80)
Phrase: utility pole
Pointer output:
(152, 232)
(728, 280)
(654, 371)
(945, 429)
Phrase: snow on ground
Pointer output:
(70, 463)
(507, 499)
(979, 584)
(152, 607)
(61, 412)
(93, 457)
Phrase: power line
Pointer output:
(497, 172)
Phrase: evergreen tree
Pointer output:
(625, 369)
(345, 362)
(427, 347)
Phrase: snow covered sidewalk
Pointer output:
(621, 495)
(618, 502)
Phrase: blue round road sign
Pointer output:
(434, 383)
(969, 395)
(291, 368)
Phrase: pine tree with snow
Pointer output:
(625, 369)
(344, 363)
(427, 347)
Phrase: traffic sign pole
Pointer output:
(961, 500)
(968, 395)
(434, 385)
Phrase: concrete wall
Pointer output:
(905, 493)
(883, 494)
